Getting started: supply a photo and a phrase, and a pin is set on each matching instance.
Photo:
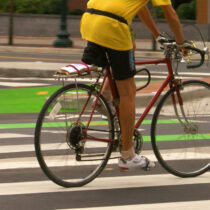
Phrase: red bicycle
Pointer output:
(74, 141)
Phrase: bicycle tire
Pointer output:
(182, 148)
(56, 147)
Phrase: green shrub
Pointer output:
(158, 13)
(187, 11)
(4, 6)
(76, 12)
(51, 7)
(27, 6)
(32, 6)
(184, 11)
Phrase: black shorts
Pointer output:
(121, 62)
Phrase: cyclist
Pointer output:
(105, 25)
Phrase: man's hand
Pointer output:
(183, 46)
(161, 39)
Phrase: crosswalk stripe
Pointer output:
(189, 205)
(31, 162)
(15, 163)
(52, 146)
(59, 160)
(14, 135)
(102, 184)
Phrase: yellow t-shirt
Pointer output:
(107, 31)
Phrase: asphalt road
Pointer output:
(23, 185)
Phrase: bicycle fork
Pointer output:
(178, 97)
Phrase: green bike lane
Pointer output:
(30, 100)
(24, 100)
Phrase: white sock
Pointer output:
(128, 155)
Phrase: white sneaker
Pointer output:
(137, 162)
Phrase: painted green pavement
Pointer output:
(52, 124)
(173, 137)
(24, 100)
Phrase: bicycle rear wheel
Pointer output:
(181, 134)
(63, 150)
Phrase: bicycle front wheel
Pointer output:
(181, 133)
(68, 153)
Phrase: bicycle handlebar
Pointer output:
(202, 54)
(172, 43)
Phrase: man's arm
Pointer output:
(174, 23)
(145, 16)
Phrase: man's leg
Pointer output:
(123, 69)
(127, 92)
(106, 91)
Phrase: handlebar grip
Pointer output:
(202, 54)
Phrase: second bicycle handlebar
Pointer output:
(202, 54)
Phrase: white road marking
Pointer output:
(21, 84)
(59, 160)
(189, 205)
(123, 182)
(14, 135)
(47, 147)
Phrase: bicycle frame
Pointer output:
(168, 81)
